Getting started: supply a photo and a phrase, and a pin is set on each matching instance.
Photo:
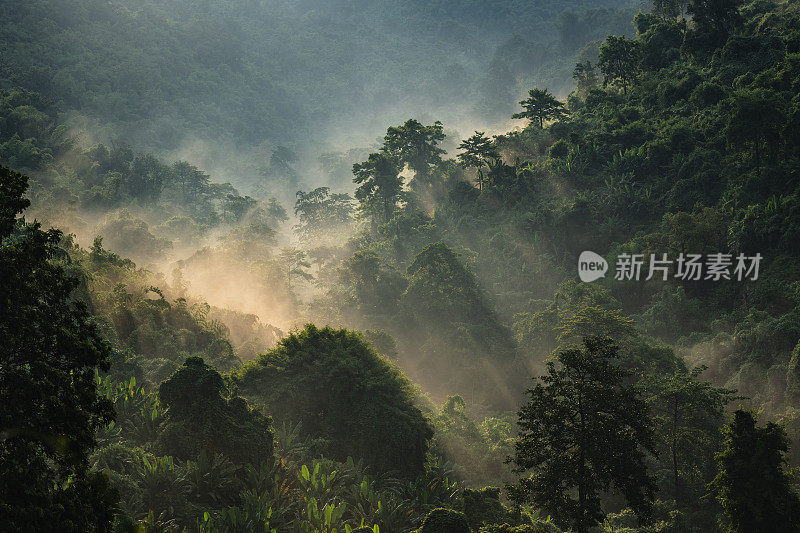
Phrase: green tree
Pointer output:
(585, 78)
(50, 406)
(478, 151)
(447, 299)
(235, 207)
(752, 485)
(687, 413)
(190, 182)
(416, 145)
(584, 429)
(379, 185)
(540, 106)
(334, 384)
(145, 180)
(321, 213)
(203, 416)
(713, 21)
(619, 61)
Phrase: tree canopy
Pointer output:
(203, 416)
(752, 486)
(339, 390)
(584, 430)
(51, 407)
(541, 106)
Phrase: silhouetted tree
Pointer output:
(752, 486)
(50, 406)
(203, 416)
(584, 429)
(478, 151)
(342, 392)
(540, 106)
(416, 145)
(379, 185)
(619, 61)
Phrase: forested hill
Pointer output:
(416, 351)
(154, 73)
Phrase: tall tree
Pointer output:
(688, 414)
(50, 406)
(584, 430)
(540, 106)
(585, 78)
(752, 485)
(319, 213)
(417, 146)
(478, 151)
(619, 61)
(379, 185)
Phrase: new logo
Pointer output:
(591, 266)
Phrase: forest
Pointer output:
(308, 267)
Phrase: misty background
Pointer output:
(222, 84)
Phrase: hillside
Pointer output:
(158, 73)
(408, 342)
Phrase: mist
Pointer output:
(320, 260)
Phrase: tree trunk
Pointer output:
(675, 477)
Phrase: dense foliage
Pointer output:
(575, 416)
(51, 408)
(146, 377)
(339, 390)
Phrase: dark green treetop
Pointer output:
(379, 185)
(752, 485)
(540, 106)
(50, 406)
(584, 430)
(202, 415)
(319, 212)
(619, 61)
(478, 152)
(416, 145)
(341, 391)
(713, 21)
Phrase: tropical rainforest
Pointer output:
(313, 267)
